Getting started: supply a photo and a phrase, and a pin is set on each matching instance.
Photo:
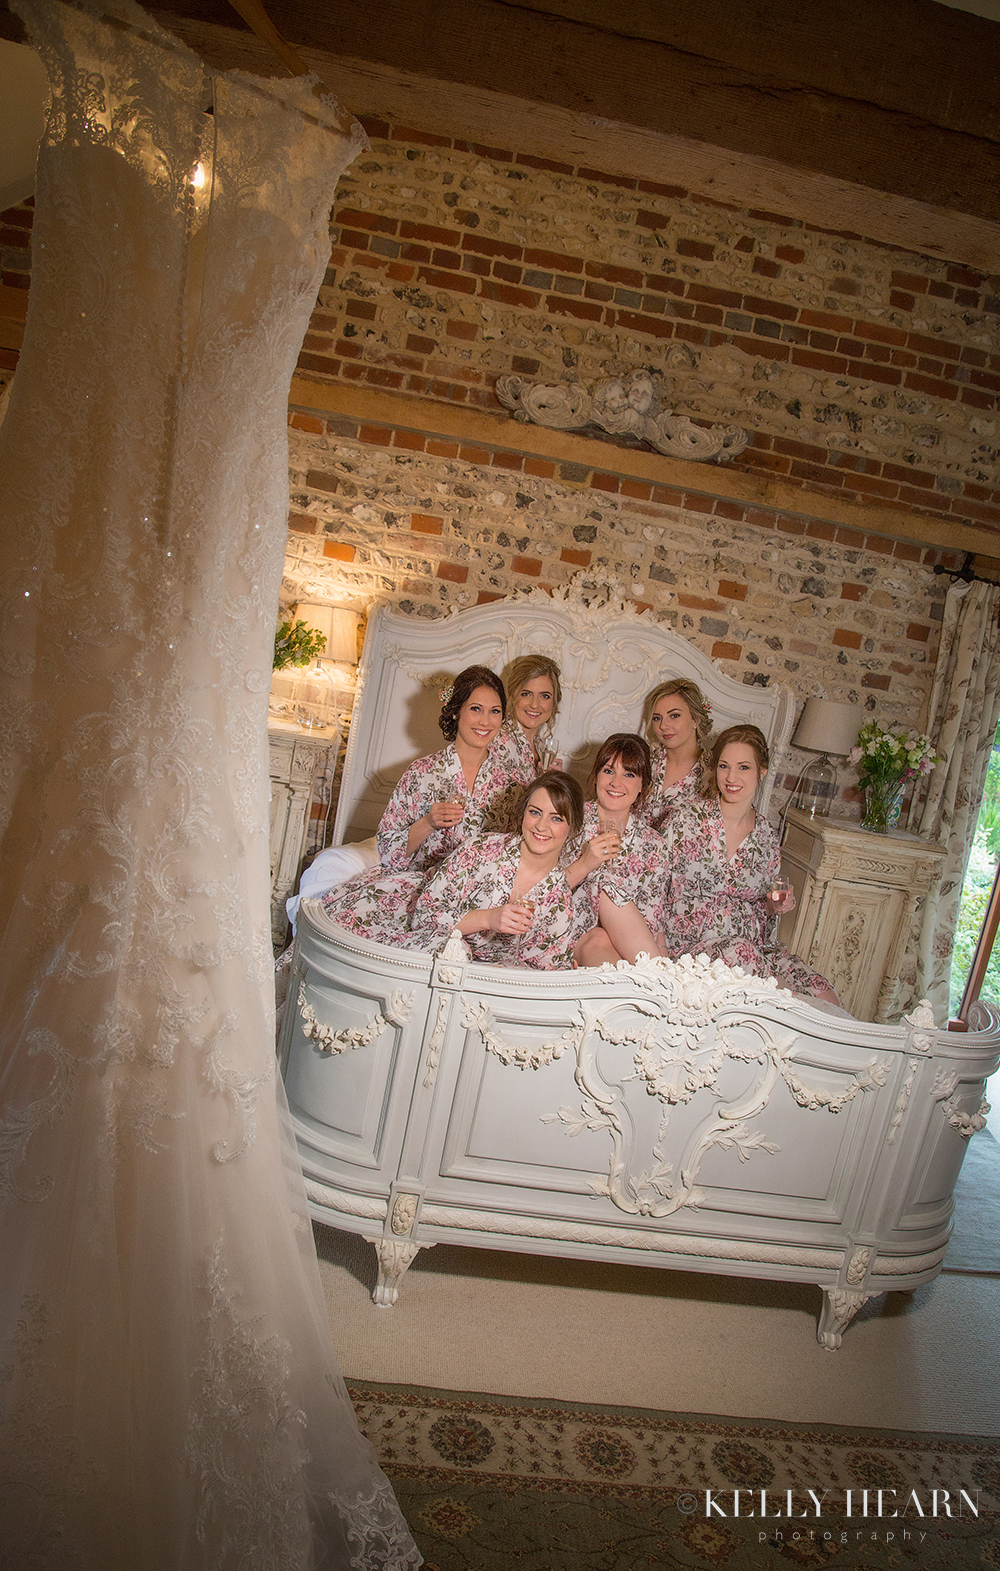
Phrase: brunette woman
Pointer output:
(618, 874)
(506, 893)
(723, 858)
(680, 724)
(440, 801)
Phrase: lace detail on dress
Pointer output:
(246, 1442)
(21, 1122)
(373, 1525)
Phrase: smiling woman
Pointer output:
(723, 863)
(534, 693)
(507, 894)
(439, 803)
(680, 724)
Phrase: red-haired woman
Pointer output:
(722, 859)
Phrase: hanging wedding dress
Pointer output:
(169, 1400)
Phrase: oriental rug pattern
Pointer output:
(492, 1483)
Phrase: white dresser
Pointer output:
(856, 894)
(297, 758)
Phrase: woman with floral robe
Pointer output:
(524, 745)
(722, 858)
(440, 801)
(680, 723)
(507, 894)
(619, 858)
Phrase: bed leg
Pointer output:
(395, 1255)
(840, 1305)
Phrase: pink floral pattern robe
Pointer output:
(518, 756)
(480, 875)
(638, 873)
(662, 800)
(378, 904)
(719, 906)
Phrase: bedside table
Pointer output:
(856, 894)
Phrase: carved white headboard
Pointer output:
(610, 655)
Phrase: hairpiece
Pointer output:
(447, 693)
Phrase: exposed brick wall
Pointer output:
(772, 597)
(861, 369)
(15, 266)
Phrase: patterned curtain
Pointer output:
(962, 722)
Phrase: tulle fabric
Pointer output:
(168, 1395)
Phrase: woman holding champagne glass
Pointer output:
(723, 894)
(440, 801)
(507, 893)
(618, 872)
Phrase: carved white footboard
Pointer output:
(681, 1115)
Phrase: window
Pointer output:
(975, 962)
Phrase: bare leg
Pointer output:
(627, 929)
(594, 948)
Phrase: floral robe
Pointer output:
(663, 800)
(638, 873)
(719, 907)
(481, 874)
(517, 755)
(378, 904)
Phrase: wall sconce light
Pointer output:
(824, 727)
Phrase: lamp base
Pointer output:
(817, 788)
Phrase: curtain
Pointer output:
(169, 1397)
(962, 722)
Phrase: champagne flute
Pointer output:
(524, 904)
(607, 826)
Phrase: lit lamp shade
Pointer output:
(824, 727)
(338, 625)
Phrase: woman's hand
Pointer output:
(443, 814)
(596, 853)
(509, 918)
(782, 900)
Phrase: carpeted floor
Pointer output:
(490, 1483)
(525, 1325)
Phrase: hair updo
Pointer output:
(462, 689)
(748, 736)
(701, 709)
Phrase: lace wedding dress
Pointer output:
(169, 1400)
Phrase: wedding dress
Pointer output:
(169, 1400)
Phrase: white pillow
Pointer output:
(331, 868)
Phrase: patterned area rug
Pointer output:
(492, 1483)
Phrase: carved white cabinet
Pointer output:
(856, 894)
(297, 757)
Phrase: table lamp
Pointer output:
(824, 727)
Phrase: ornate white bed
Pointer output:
(673, 1115)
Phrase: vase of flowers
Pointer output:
(887, 757)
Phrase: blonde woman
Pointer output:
(533, 695)
(679, 727)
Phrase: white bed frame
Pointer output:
(679, 1115)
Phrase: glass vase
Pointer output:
(882, 799)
